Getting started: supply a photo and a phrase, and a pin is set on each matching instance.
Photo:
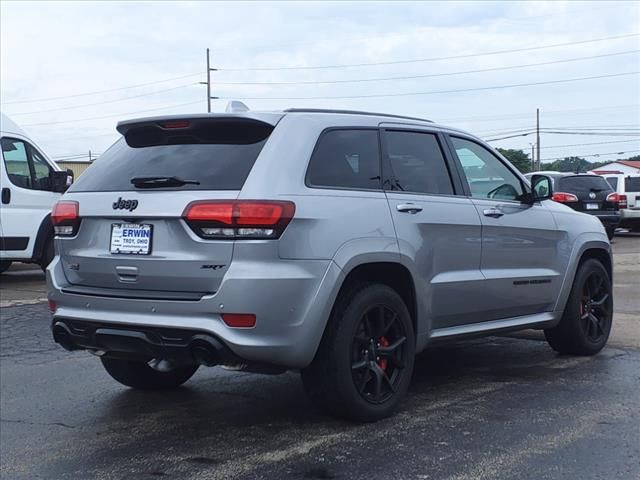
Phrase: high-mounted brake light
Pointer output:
(618, 198)
(240, 219)
(175, 124)
(563, 197)
(65, 217)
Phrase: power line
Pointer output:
(409, 94)
(591, 143)
(106, 101)
(110, 116)
(573, 111)
(101, 91)
(432, 59)
(526, 134)
(411, 77)
(589, 155)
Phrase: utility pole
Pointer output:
(208, 82)
(538, 136)
(533, 157)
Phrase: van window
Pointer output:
(346, 159)
(41, 171)
(632, 184)
(16, 161)
(613, 181)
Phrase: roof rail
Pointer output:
(352, 112)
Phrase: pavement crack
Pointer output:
(44, 424)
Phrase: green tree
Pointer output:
(569, 164)
(518, 158)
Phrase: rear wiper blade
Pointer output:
(159, 182)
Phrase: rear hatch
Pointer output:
(632, 190)
(132, 235)
(592, 192)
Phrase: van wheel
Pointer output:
(586, 323)
(4, 265)
(153, 375)
(47, 255)
(363, 366)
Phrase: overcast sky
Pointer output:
(68, 49)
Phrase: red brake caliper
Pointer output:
(383, 362)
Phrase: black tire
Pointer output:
(611, 231)
(4, 265)
(352, 376)
(586, 323)
(138, 374)
(47, 255)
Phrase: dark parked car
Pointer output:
(587, 193)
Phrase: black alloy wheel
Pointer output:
(378, 354)
(588, 315)
(595, 307)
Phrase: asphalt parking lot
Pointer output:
(498, 407)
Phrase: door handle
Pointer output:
(409, 208)
(493, 212)
(6, 195)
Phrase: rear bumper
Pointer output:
(291, 299)
(628, 214)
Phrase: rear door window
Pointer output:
(416, 163)
(347, 158)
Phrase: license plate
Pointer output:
(592, 206)
(131, 238)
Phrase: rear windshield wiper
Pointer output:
(160, 182)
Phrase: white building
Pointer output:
(619, 166)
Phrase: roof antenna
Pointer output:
(235, 106)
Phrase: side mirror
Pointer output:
(541, 188)
(70, 177)
(58, 181)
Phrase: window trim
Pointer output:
(525, 188)
(327, 130)
(387, 169)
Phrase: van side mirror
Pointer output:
(541, 187)
(58, 181)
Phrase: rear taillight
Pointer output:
(240, 219)
(65, 217)
(563, 197)
(621, 200)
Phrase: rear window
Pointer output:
(632, 184)
(218, 162)
(585, 183)
(346, 159)
(613, 181)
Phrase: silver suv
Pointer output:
(338, 243)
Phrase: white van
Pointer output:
(30, 184)
(628, 188)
